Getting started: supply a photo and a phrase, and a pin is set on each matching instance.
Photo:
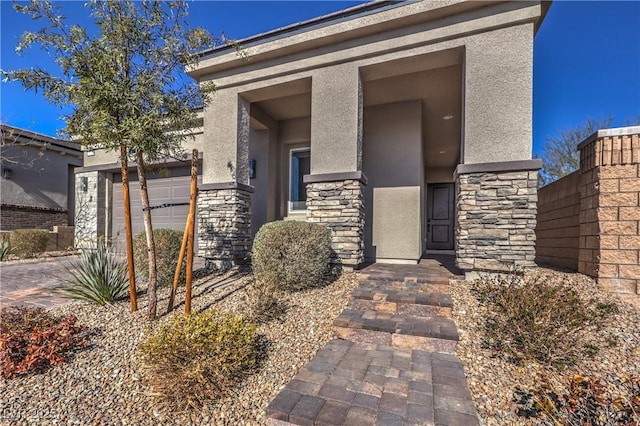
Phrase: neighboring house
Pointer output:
(405, 127)
(36, 180)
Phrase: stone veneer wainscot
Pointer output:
(337, 201)
(224, 224)
(496, 217)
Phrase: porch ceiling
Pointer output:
(440, 91)
(436, 81)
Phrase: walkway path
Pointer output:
(394, 362)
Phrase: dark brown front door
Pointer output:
(440, 216)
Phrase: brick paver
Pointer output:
(29, 283)
(395, 362)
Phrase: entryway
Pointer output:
(440, 216)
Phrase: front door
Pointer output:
(440, 216)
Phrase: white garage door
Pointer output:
(173, 189)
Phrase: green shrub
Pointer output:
(98, 277)
(532, 319)
(296, 255)
(27, 243)
(198, 357)
(168, 242)
(32, 340)
(4, 248)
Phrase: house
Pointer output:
(405, 127)
(37, 178)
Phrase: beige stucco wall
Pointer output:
(499, 95)
(259, 151)
(392, 162)
(111, 158)
(336, 133)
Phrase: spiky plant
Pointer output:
(4, 248)
(98, 277)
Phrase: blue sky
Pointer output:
(586, 57)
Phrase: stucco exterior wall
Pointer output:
(259, 151)
(498, 95)
(336, 122)
(40, 179)
(392, 162)
(111, 159)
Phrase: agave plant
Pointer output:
(4, 248)
(98, 277)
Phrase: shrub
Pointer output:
(264, 300)
(295, 255)
(4, 248)
(168, 242)
(98, 277)
(27, 243)
(531, 319)
(32, 340)
(583, 402)
(198, 357)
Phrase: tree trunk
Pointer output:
(148, 228)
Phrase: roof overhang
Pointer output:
(349, 24)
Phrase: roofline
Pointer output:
(313, 23)
(39, 138)
(545, 5)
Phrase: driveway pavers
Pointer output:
(29, 283)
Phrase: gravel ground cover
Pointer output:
(492, 381)
(102, 385)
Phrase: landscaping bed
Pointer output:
(102, 383)
(605, 368)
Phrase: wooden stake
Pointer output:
(124, 167)
(183, 249)
(192, 215)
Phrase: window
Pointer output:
(299, 166)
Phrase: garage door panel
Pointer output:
(162, 190)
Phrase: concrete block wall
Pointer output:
(610, 220)
(558, 224)
(608, 183)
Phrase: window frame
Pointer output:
(290, 208)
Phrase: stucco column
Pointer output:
(336, 120)
(498, 96)
(224, 199)
(335, 187)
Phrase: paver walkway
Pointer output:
(27, 283)
(394, 362)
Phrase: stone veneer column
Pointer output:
(224, 224)
(496, 205)
(90, 208)
(336, 200)
(609, 209)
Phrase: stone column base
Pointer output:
(496, 219)
(339, 205)
(224, 225)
